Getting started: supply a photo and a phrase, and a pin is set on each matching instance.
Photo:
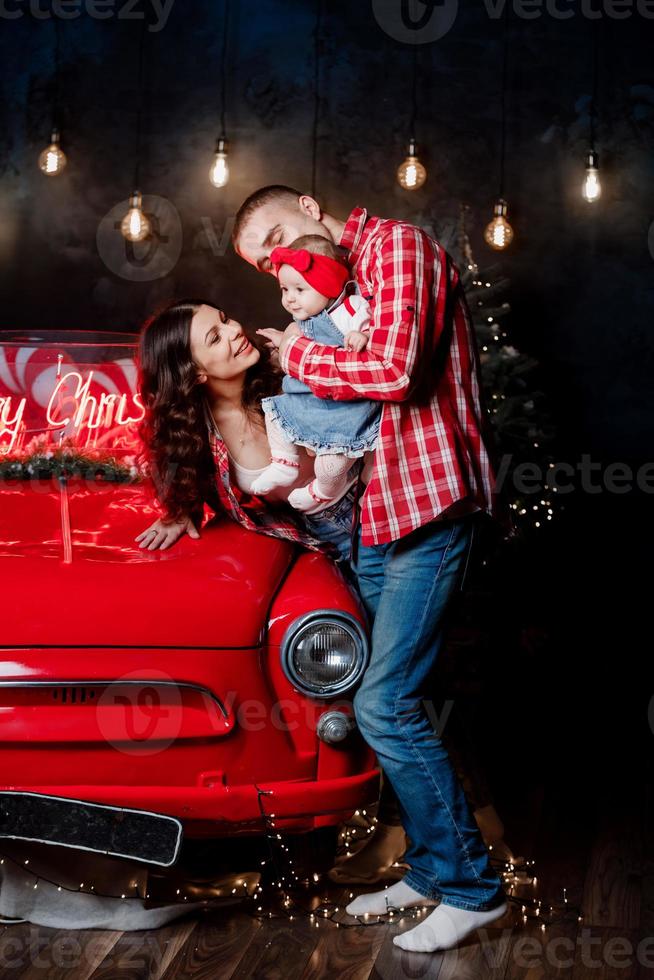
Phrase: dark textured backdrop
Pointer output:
(582, 276)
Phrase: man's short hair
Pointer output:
(272, 194)
(319, 245)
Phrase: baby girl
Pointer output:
(316, 289)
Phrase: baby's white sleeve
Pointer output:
(359, 320)
(362, 313)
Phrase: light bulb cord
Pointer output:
(56, 109)
(317, 53)
(505, 63)
(223, 72)
(593, 101)
(414, 93)
(139, 110)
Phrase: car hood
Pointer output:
(72, 573)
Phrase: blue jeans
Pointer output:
(334, 524)
(405, 586)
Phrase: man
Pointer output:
(431, 473)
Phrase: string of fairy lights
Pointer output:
(280, 892)
(411, 173)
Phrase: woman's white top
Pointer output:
(244, 476)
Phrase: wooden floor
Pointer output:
(599, 848)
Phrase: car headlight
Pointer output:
(324, 653)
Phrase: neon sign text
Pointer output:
(104, 411)
(10, 426)
(78, 407)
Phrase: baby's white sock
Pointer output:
(397, 896)
(285, 462)
(307, 500)
(445, 927)
(331, 471)
(278, 474)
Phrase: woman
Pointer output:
(202, 381)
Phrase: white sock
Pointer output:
(331, 471)
(445, 927)
(397, 896)
(285, 462)
(276, 475)
(308, 501)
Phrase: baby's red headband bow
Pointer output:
(322, 273)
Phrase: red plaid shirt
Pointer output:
(422, 362)
(252, 512)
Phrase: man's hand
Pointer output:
(162, 534)
(356, 340)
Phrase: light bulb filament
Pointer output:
(411, 174)
(499, 233)
(219, 173)
(135, 226)
(592, 188)
(52, 160)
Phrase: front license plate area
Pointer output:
(153, 838)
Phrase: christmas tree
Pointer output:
(518, 407)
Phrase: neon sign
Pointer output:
(10, 425)
(81, 392)
(101, 410)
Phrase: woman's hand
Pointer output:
(162, 534)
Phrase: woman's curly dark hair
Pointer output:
(174, 431)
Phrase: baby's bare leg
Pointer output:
(331, 471)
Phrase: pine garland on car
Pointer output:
(45, 462)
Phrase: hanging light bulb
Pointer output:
(53, 159)
(411, 174)
(135, 226)
(499, 233)
(592, 189)
(219, 173)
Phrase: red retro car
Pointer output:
(146, 696)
